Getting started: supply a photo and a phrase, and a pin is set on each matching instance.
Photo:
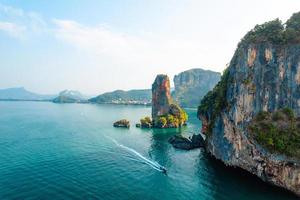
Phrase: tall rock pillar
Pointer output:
(161, 96)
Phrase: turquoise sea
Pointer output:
(71, 151)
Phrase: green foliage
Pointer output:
(275, 32)
(262, 115)
(246, 81)
(271, 31)
(183, 117)
(292, 31)
(278, 116)
(278, 131)
(146, 122)
(161, 122)
(148, 119)
(215, 101)
(125, 96)
(289, 112)
(170, 119)
(174, 119)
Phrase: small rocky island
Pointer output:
(123, 123)
(187, 143)
(165, 113)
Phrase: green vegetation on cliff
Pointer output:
(215, 101)
(278, 131)
(275, 32)
(271, 32)
(176, 117)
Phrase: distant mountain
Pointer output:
(142, 97)
(21, 93)
(70, 96)
(192, 85)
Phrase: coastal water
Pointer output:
(71, 151)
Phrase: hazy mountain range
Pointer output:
(124, 97)
(190, 86)
(21, 93)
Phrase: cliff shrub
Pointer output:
(215, 101)
(292, 31)
(278, 132)
(271, 31)
(289, 112)
(275, 32)
(262, 115)
(161, 122)
(174, 119)
(146, 122)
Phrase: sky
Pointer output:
(96, 46)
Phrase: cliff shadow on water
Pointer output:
(235, 183)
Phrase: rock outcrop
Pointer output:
(161, 96)
(123, 123)
(264, 75)
(165, 114)
(181, 142)
(192, 85)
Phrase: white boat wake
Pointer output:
(145, 160)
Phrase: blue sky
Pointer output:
(96, 46)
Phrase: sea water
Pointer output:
(72, 151)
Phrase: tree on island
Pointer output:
(165, 113)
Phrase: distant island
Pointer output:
(131, 97)
(190, 87)
(21, 94)
(70, 96)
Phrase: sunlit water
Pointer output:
(71, 151)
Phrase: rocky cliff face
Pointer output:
(264, 75)
(192, 85)
(161, 96)
(165, 114)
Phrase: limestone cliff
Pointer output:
(165, 114)
(192, 85)
(161, 96)
(264, 75)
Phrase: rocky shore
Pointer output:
(187, 143)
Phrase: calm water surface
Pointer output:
(67, 151)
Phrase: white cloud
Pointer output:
(147, 50)
(122, 56)
(99, 40)
(12, 29)
(20, 24)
